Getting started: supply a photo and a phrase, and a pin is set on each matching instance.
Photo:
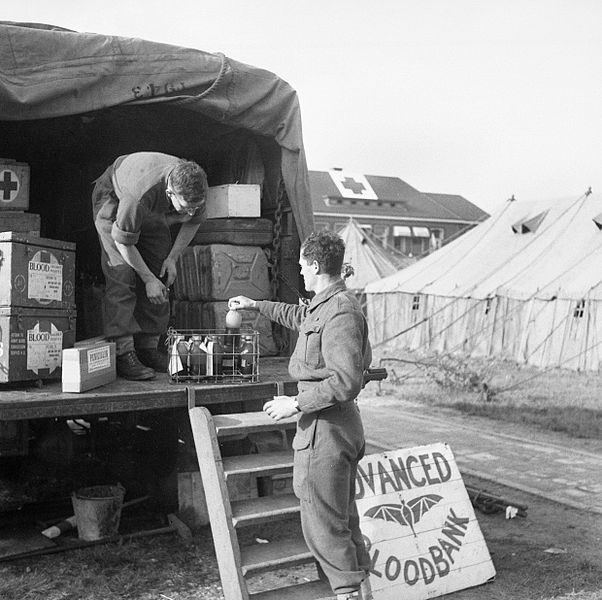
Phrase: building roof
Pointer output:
(460, 206)
(338, 192)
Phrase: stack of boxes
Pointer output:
(37, 287)
(209, 273)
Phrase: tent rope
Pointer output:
(547, 369)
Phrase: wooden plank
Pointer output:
(27, 401)
(260, 510)
(313, 590)
(218, 503)
(266, 463)
(236, 424)
(275, 555)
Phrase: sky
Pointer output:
(484, 98)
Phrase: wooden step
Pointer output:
(266, 508)
(275, 555)
(313, 590)
(251, 422)
(266, 463)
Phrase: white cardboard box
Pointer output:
(233, 200)
(90, 364)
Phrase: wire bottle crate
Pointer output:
(213, 355)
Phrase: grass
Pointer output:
(151, 568)
(553, 400)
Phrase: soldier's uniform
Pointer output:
(329, 359)
(130, 205)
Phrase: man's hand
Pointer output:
(169, 267)
(281, 407)
(156, 292)
(240, 303)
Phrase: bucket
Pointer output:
(97, 511)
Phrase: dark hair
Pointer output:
(190, 181)
(327, 249)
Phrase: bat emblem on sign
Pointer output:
(407, 513)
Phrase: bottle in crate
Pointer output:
(247, 356)
(230, 355)
(197, 357)
(181, 351)
(215, 355)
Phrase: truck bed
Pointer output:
(33, 402)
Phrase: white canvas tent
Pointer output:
(369, 260)
(525, 285)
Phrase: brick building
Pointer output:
(394, 212)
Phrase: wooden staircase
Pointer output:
(236, 564)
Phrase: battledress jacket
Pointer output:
(332, 350)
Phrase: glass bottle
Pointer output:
(215, 355)
(247, 356)
(182, 348)
(229, 355)
(197, 357)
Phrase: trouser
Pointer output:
(325, 466)
(128, 313)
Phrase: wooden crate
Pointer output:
(238, 232)
(14, 185)
(19, 221)
(36, 272)
(32, 342)
(89, 364)
(233, 200)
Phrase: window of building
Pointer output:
(416, 303)
(402, 238)
(437, 236)
(421, 240)
(579, 309)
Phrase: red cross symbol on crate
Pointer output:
(8, 185)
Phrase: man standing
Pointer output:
(328, 362)
(134, 202)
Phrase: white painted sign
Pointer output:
(417, 519)
(353, 185)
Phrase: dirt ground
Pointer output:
(555, 552)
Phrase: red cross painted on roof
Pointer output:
(8, 186)
(351, 184)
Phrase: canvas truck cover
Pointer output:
(48, 71)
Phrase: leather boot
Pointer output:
(151, 357)
(129, 367)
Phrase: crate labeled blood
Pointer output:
(36, 272)
(32, 342)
